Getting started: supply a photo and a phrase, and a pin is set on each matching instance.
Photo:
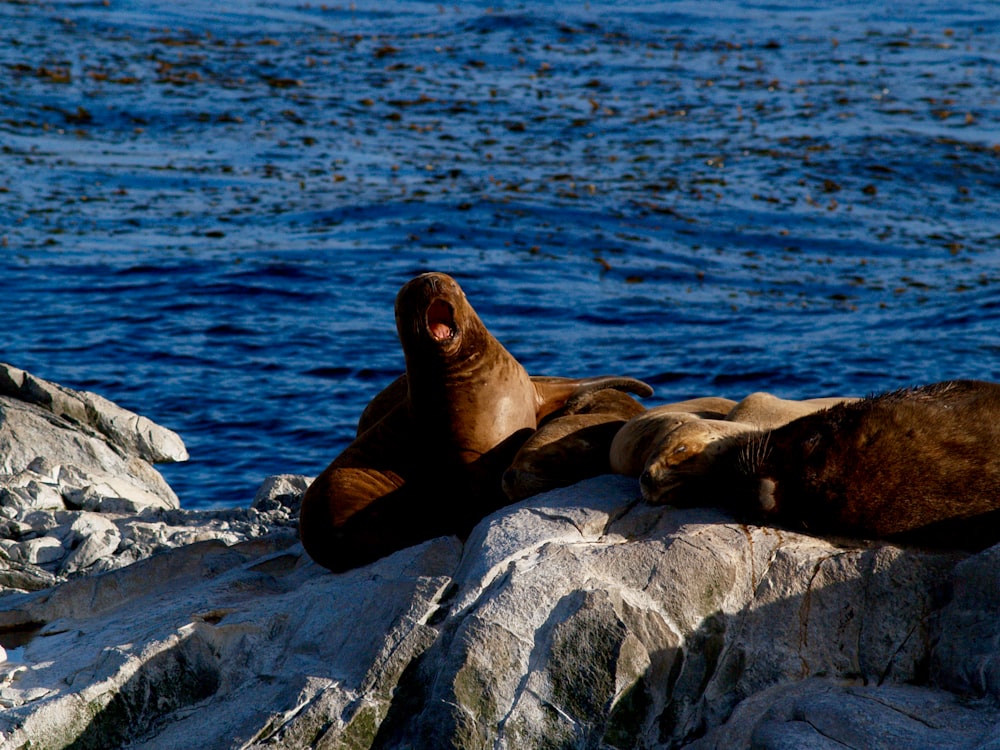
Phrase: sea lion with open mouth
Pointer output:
(434, 444)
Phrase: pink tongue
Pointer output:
(440, 331)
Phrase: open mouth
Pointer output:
(440, 320)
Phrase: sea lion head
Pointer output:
(783, 473)
(686, 453)
(435, 320)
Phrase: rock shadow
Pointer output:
(176, 678)
(662, 641)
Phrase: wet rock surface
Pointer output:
(578, 618)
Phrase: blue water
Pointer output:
(205, 214)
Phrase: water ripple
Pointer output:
(207, 211)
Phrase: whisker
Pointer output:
(753, 453)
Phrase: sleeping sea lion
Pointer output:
(687, 451)
(690, 449)
(766, 411)
(573, 444)
(637, 440)
(433, 445)
(902, 465)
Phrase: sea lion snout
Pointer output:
(431, 309)
(765, 495)
(647, 485)
(658, 485)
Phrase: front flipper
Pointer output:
(553, 393)
(336, 526)
(341, 523)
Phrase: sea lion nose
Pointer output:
(646, 482)
(765, 494)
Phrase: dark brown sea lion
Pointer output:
(570, 446)
(433, 445)
(901, 465)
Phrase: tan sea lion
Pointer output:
(687, 451)
(428, 463)
(767, 411)
(571, 445)
(902, 465)
(637, 439)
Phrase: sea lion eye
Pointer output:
(680, 449)
(811, 443)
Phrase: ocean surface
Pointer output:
(206, 211)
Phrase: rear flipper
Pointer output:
(553, 393)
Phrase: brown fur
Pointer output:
(889, 466)
(687, 451)
(431, 448)
(570, 446)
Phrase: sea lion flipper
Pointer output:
(553, 393)
(339, 520)
(384, 402)
(336, 526)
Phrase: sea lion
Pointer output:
(571, 445)
(433, 445)
(767, 411)
(637, 439)
(679, 452)
(687, 451)
(897, 466)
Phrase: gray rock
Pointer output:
(281, 493)
(92, 537)
(133, 433)
(249, 635)
(966, 659)
(826, 714)
(62, 448)
(41, 550)
(576, 619)
(75, 463)
(118, 533)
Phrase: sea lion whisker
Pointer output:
(754, 452)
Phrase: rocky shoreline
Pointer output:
(580, 618)
(79, 494)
